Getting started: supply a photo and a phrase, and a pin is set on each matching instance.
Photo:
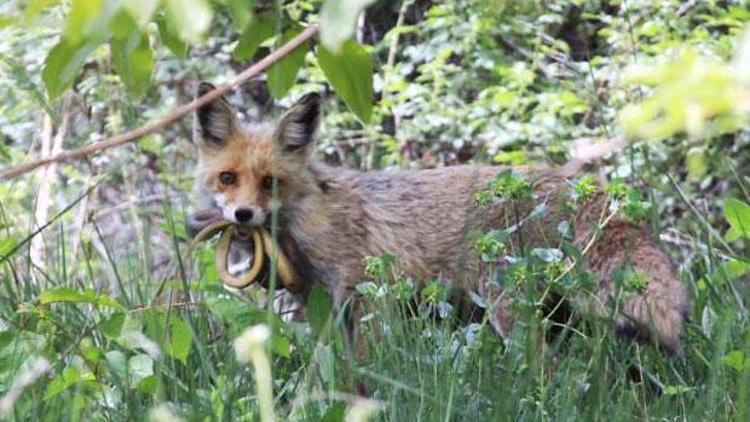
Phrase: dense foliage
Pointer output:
(102, 316)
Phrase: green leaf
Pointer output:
(37, 6)
(696, 163)
(510, 157)
(319, 310)
(6, 246)
(335, 413)
(92, 354)
(81, 17)
(674, 390)
(6, 337)
(140, 366)
(434, 292)
(280, 345)
(112, 326)
(239, 10)
(191, 18)
(180, 339)
(728, 271)
(350, 73)
(238, 316)
(117, 363)
(737, 214)
(67, 294)
(89, 19)
(69, 377)
(338, 21)
(283, 75)
(172, 333)
(736, 359)
(6, 21)
(259, 29)
(132, 337)
(133, 60)
(169, 37)
(107, 301)
(140, 10)
(64, 62)
(694, 94)
(149, 385)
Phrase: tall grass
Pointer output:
(134, 345)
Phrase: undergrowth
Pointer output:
(166, 345)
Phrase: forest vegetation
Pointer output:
(104, 316)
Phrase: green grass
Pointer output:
(101, 332)
(121, 342)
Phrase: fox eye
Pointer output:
(268, 183)
(227, 177)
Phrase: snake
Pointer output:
(265, 250)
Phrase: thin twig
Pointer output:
(170, 118)
(390, 63)
(51, 145)
(393, 47)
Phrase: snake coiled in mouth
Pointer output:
(265, 250)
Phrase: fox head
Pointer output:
(238, 166)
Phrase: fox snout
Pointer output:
(243, 214)
(201, 219)
(250, 216)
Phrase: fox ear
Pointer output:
(297, 127)
(216, 119)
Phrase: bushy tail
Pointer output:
(636, 277)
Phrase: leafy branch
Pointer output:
(170, 118)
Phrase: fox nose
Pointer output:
(243, 215)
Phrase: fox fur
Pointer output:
(331, 219)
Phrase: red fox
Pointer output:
(331, 219)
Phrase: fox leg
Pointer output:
(500, 317)
(497, 309)
(653, 310)
(356, 346)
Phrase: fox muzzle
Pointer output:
(206, 223)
